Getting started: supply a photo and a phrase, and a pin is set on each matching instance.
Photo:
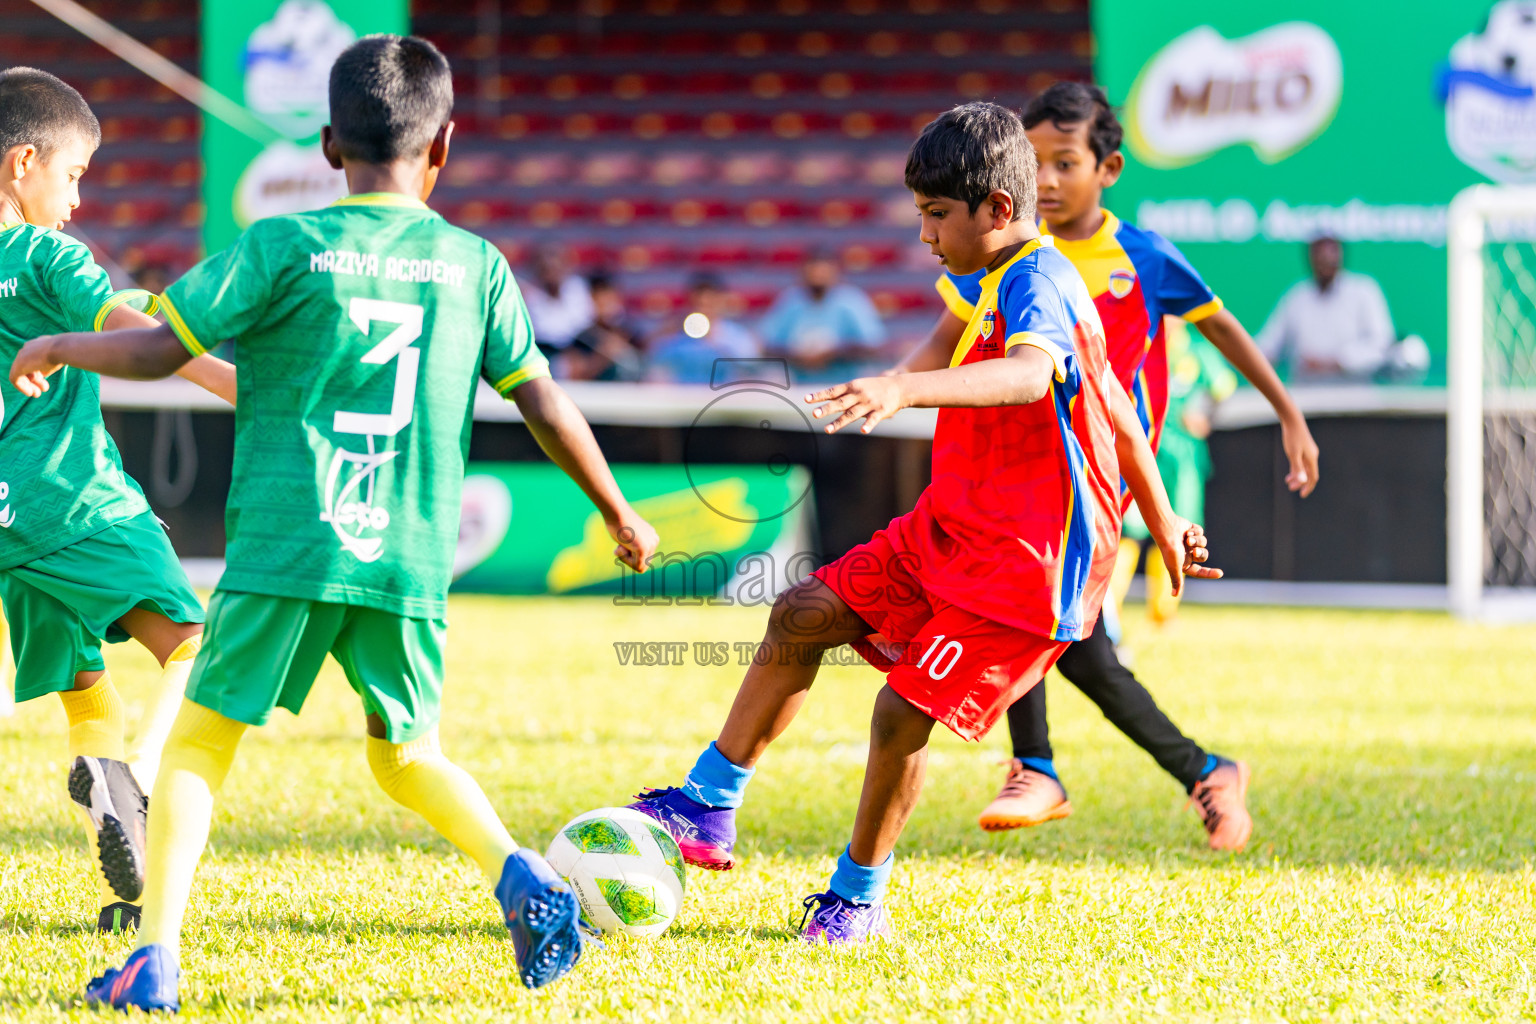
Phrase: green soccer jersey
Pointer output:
(61, 478)
(360, 333)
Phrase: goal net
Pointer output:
(1491, 412)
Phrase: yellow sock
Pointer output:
(95, 730)
(196, 760)
(1162, 606)
(418, 776)
(160, 711)
(1124, 571)
(95, 720)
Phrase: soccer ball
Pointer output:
(625, 868)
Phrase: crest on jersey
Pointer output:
(988, 321)
(349, 501)
(1121, 282)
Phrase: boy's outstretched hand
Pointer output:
(874, 398)
(637, 539)
(1184, 551)
(32, 367)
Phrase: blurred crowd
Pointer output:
(824, 328)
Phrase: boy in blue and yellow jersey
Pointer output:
(361, 332)
(82, 558)
(1136, 278)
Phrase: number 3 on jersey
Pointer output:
(396, 345)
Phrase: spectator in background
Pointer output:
(1334, 326)
(559, 302)
(610, 349)
(688, 356)
(823, 328)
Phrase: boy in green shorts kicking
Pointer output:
(82, 558)
(360, 332)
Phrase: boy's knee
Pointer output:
(803, 614)
(896, 720)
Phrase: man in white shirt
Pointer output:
(559, 302)
(1334, 326)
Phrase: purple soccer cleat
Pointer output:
(705, 834)
(843, 922)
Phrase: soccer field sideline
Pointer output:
(1389, 879)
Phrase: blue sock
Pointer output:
(1043, 765)
(1211, 764)
(858, 883)
(716, 781)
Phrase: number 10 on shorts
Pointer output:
(943, 660)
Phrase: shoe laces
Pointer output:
(653, 793)
(1020, 779)
(827, 902)
(1210, 812)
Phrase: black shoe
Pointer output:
(118, 809)
(118, 917)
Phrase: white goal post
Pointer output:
(1491, 403)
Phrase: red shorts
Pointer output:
(963, 669)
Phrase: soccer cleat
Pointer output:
(543, 916)
(1219, 800)
(842, 922)
(705, 834)
(117, 808)
(117, 917)
(1027, 798)
(147, 981)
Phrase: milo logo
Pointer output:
(1274, 91)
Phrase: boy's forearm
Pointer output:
(140, 353)
(1021, 378)
(1224, 331)
(1138, 465)
(567, 439)
(212, 374)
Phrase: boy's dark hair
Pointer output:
(1069, 104)
(971, 151)
(389, 97)
(37, 109)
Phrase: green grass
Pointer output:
(1390, 876)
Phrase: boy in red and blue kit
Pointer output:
(1136, 278)
(1007, 556)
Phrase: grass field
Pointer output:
(1390, 876)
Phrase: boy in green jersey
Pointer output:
(361, 332)
(82, 558)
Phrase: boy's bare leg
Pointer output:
(174, 645)
(807, 620)
(893, 777)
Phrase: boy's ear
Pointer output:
(329, 147)
(437, 152)
(1002, 209)
(1111, 168)
(19, 160)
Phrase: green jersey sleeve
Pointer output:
(81, 291)
(510, 358)
(222, 297)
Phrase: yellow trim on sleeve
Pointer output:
(953, 300)
(1204, 310)
(522, 376)
(1034, 340)
(179, 327)
(116, 299)
(987, 300)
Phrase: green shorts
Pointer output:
(261, 652)
(63, 605)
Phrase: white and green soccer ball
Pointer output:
(625, 868)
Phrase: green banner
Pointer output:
(727, 532)
(1251, 128)
(275, 56)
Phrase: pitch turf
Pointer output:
(1390, 876)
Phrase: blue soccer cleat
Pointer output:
(147, 981)
(543, 916)
(706, 835)
(842, 922)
